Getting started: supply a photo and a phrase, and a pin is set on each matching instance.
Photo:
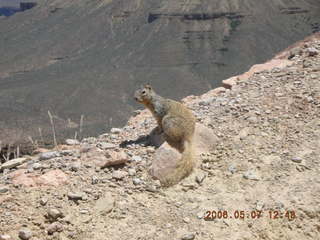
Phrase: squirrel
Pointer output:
(177, 123)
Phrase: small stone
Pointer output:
(49, 155)
(252, 119)
(296, 159)
(306, 64)
(85, 148)
(232, 169)
(105, 204)
(94, 180)
(43, 201)
(5, 237)
(136, 181)
(72, 142)
(25, 234)
(200, 215)
(186, 220)
(243, 133)
(87, 190)
(75, 166)
(84, 211)
(54, 227)
(136, 158)
(75, 196)
(118, 175)
(53, 214)
(69, 219)
(132, 172)
(151, 188)
(259, 205)
(200, 178)
(36, 166)
(205, 102)
(189, 236)
(312, 51)
(294, 52)
(13, 163)
(67, 152)
(3, 189)
(113, 158)
(251, 176)
(150, 149)
(157, 183)
(116, 130)
(105, 145)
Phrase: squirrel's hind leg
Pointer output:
(173, 132)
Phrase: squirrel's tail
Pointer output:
(184, 166)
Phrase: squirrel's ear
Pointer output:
(148, 86)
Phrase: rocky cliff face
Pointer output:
(87, 57)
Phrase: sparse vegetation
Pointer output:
(53, 129)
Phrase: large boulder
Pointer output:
(166, 158)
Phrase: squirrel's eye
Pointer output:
(143, 92)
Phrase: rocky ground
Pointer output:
(260, 178)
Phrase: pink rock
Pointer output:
(5, 237)
(51, 178)
(17, 173)
(5, 198)
(215, 92)
(114, 158)
(164, 161)
(40, 150)
(93, 155)
(165, 158)
(205, 139)
(103, 158)
(228, 83)
(25, 180)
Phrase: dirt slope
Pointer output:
(266, 161)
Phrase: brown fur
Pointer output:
(177, 123)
